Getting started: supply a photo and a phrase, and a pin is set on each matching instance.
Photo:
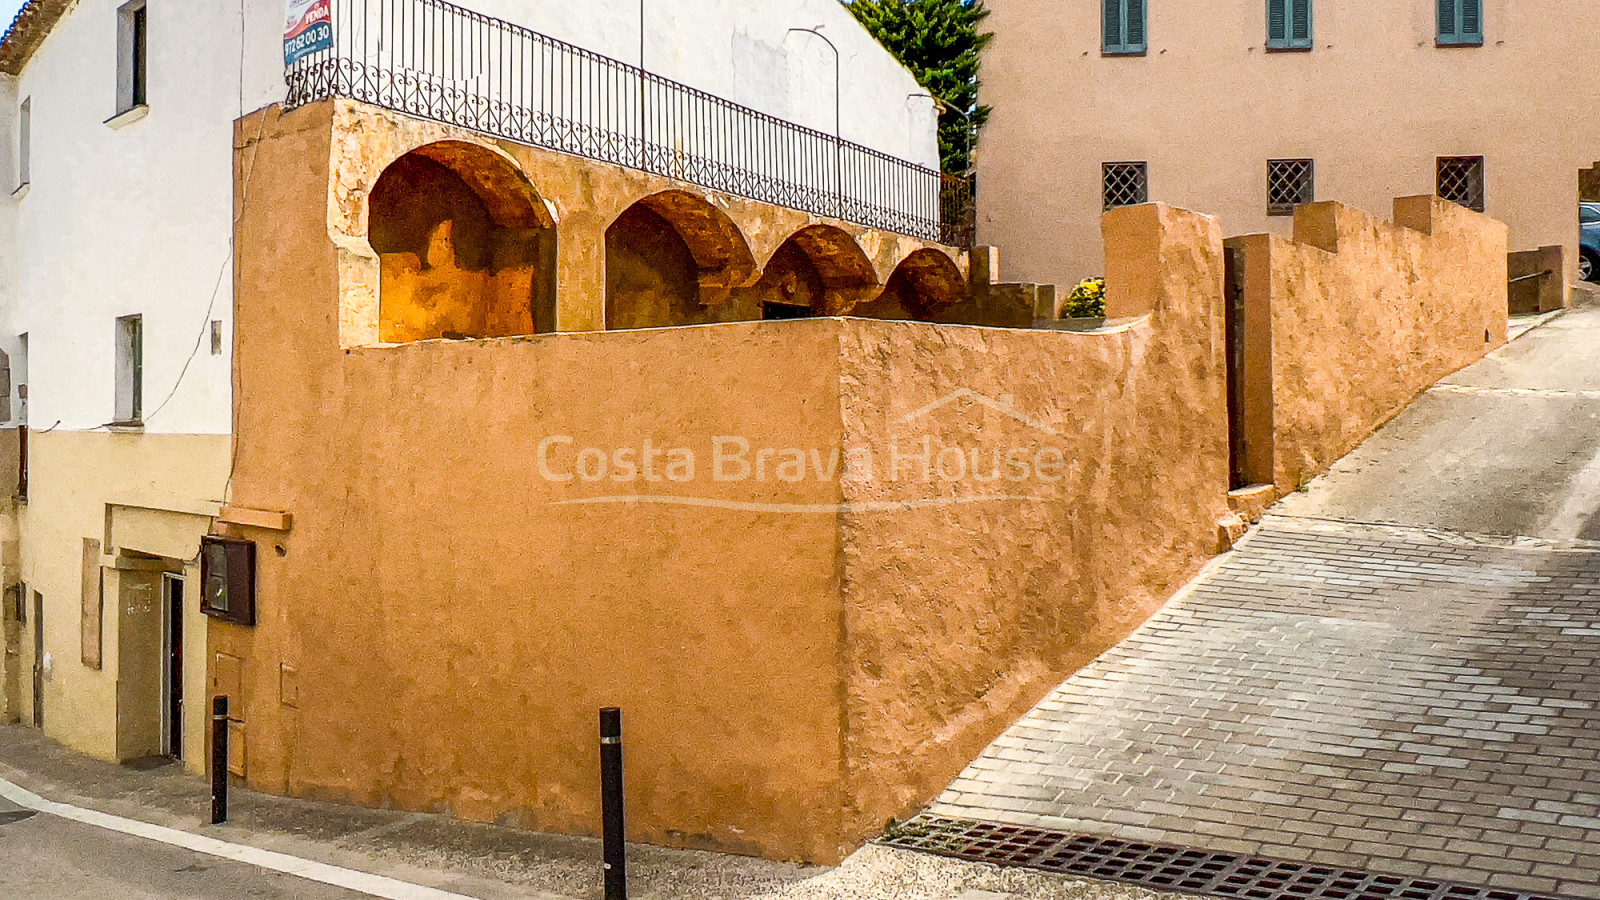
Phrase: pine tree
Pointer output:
(939, 41)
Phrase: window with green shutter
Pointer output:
(1461, 22)
(1124, 25)
(1288, 24)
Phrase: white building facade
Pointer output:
(116, 300)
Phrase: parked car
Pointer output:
(1589, 241)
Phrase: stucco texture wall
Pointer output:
(731, 239)
(150, 496)
(1355, 316)
(803, 647)
(962, 613)
(1374, 103)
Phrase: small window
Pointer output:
(771, 311)
(1125, 184)
(1589, 214)
(228, 580)
(130, 370)
(132, 59)
(1461, 181)
(1288, 24)
(1290, 182)
(1461, 23)
(25, 143)
(1123, 24)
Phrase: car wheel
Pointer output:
(1589, 266)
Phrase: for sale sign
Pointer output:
(309, 29)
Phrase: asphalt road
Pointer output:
(46, 858)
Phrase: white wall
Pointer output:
(131, 220)
(742, 50)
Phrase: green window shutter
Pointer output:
(1136, 20)
(1300, 24)
(1472, 21)
(1277, 24)
(1461, 22)
(1124, 22)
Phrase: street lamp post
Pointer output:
(941, 107)
(838, 137)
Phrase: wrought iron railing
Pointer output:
(438, 61)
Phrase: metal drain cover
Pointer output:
(1168, 868)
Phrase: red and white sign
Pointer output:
(308, 29)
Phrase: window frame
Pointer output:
(133, 56)
(24, 143)
(129, 408)
(1480, 168)
(1280, 208)
(1123, 46)
(1106, 170)
(1458, 35)
(1288, 43)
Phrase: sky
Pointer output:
(8, 11)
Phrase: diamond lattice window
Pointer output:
(1461, 181)
(1290, 182)
(1126, 184)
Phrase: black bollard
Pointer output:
(616, 853)
(219, 760)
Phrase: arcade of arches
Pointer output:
(467, 249)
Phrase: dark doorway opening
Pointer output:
(1233, 275)
(172, 667)
(38, 660)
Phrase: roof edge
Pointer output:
(33, 24)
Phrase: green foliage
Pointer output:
(939, 41)
(1087, 300)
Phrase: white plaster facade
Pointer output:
(743, 50)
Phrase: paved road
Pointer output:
(1510, 445)
(1419, 699)
(46, 858)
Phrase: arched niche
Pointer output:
(466, 247)
(674, 259)
(924, 284)
(818, 271)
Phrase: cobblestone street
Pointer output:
(1417, 699)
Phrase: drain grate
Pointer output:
(1168, 868)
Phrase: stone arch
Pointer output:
(818, 271)
(466, 246)
(924, 284)
(674, 259)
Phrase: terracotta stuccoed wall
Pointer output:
(441, 623)
(584, 199)
(452, 628)
(961, 615)
(1363, 315)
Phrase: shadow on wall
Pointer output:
(466, 247)
(675, 259)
